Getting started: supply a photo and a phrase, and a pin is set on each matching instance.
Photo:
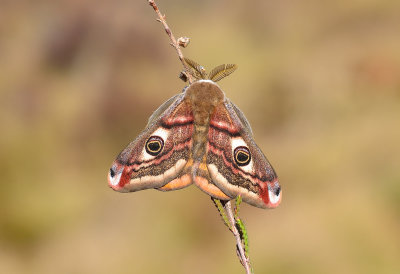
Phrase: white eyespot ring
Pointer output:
(154, 144)
(241, 154)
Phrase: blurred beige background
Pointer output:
(319, 82)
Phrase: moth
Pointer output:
(198, 137)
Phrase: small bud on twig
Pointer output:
(183, 41)
(183, 76)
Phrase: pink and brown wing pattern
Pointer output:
(203, 181)
(159, 156)
(235, 163)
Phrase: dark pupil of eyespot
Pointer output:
(154, 146)
(242, 157)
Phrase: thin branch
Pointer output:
(175, 43)
(245, 261)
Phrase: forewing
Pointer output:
(137, 167)
(256, 181)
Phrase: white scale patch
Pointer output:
(161, 132)
(221, 124)
(115, 180)
(273, 199)
(239, 142)
(207, 81)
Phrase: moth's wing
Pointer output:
(136, 169)
(203, 180)
(241, 117)
(161, 109)
(256, 181)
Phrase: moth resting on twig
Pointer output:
(198, 136)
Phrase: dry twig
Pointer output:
(182, 41)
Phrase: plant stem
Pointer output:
(174, 42)
(245, 261)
